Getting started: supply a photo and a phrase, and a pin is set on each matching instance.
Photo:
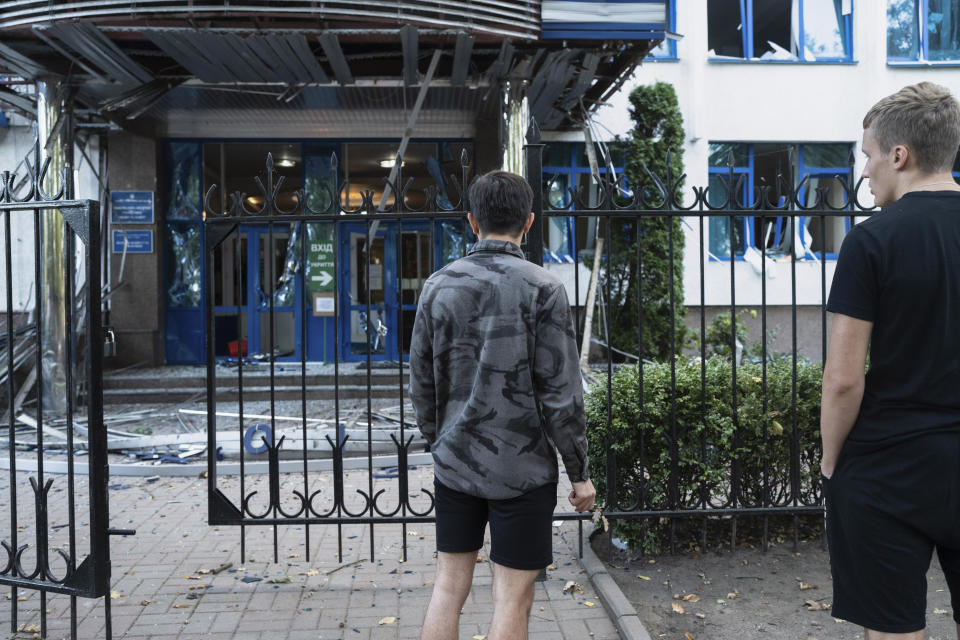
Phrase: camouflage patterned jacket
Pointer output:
(494, 374)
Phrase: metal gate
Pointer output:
(58, 536)
(291, 491)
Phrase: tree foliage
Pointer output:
(657, 133)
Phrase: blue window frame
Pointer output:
(566, 168)
(780, 30)
(923, 31)
(666, 51)
(813, 166)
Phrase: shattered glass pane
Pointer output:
(823, 29)
(285, 291)
(775, 30)
(559, 246)
(725, 28)
(456, 238)
(833, 156)
(719, 153)
(903, 37)
(943, 26)
(185, 177)
(186, 244)
(719, 228)
(319, 182)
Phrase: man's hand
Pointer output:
(827, 467)
(582, 495)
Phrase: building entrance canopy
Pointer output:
(145, 65)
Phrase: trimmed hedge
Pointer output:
(709, 443)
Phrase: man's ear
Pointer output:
(900, 155)
(529, 223)
(473, 224)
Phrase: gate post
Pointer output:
(533, 152)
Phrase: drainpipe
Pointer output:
(51, 320)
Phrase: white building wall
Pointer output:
(769, 102)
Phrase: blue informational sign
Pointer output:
(131, 207)
(138, 240)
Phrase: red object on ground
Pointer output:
(232, 348)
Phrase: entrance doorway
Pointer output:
(253, 269)
(380, 307)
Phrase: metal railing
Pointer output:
(629, 490)
(60, 543)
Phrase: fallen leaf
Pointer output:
(294, 555)
(412, 533)
(688, 636)
(479, 637)
(22, 599)
(145, 602)
(940, 611)
(691, 597)
(387, 620)
(279, 580)
(701, 616)
(721, 602)
(551, 567)
(222, 567)
(643, 577)
(677, 607)
(804, 586)
(567, 588)
(479, 559)
(202, 572)
(311, 572)
(588, 603)
(178, 605)
(115, 595)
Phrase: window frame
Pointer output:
(571, 171)
(669, 42)
(802, 252)
(922, 13)
(746, 36)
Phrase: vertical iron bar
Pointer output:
(271, 277)
(402, 472)
(71, 359)
(675, 454)
(11, 392)
(38, 292)
(243, 288)
(336, 357)
(763, 377)
(638, 226)
(304, 238)
(704, 495)
(735, 479)
(369, 252)
(795, 436)
(611, 439)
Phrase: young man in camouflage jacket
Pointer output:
(496, 386)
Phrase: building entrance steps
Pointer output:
(182, 383)
(181, 578)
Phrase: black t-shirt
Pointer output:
(900, 269)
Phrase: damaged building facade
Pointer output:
(783, 85)
(156, 101)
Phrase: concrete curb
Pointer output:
(621, 611)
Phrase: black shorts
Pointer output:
(887, 510)
(521, 535)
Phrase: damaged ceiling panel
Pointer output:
(225, 58)
(84, 39)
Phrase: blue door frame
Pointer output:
(257, 303)
(384, 308)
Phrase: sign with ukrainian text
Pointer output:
(133, 240)
(131, 207)
(321, 263)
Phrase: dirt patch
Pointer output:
(749, 594)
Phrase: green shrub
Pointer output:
(708, 444)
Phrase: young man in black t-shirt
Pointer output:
(891, 437)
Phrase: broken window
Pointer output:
(815, 168)
(780, 30)
(922, 31)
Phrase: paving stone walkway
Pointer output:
(164, 585)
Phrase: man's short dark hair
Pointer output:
(501, 202)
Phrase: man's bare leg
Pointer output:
(870, 634)
(512, 600)
(450, 590)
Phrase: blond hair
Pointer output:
(925, 118)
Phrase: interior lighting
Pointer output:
(286, 162)
(390, 162)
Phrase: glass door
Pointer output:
(255, 268)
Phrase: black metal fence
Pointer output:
(58, 525)
(300, 496)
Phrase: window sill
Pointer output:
(923, 63)
(661, 59)
(801, 62)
